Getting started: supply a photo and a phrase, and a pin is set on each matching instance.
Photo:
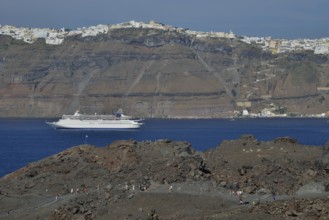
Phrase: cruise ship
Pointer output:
(82, 121)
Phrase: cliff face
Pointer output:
(156, 73)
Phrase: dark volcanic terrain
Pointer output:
(170, 180)
(157, 73)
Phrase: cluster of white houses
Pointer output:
(268, 113)
(319, 46)
(51, 36)
(56, 37)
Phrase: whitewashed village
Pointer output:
(57, 36)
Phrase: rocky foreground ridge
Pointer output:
(170, 180)
(155, 70)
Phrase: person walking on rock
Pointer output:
(273, 196)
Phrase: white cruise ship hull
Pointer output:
(95, 124)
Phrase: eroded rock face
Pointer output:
(155, 73)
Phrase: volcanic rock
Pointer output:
(170, 180)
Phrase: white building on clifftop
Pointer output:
(56, 37)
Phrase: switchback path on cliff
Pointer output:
(215, 73)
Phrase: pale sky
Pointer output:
(276, 18)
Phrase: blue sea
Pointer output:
(27, 140)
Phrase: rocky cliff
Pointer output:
(157, 73)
